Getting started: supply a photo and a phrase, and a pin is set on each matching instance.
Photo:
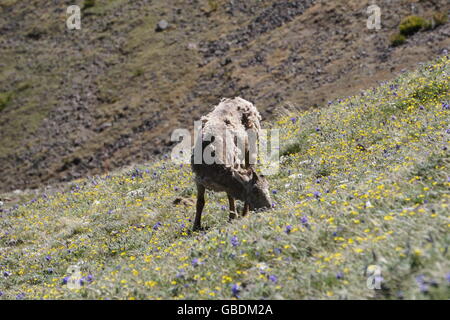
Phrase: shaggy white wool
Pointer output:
(235, 126)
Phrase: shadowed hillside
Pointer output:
(74, 103)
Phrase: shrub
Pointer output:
(397, 39)
(413, 24)
(88, 4)
(138, 72)
(439, 18)
(5, 98)
(213, 5)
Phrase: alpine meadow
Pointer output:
(360, 211)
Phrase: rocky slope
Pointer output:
(86, 101)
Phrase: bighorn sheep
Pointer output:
(230, 134)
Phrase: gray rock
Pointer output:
(162, 25)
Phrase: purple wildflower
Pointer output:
(234, 241)
(288, 229)
(339, 275)
(317, 194)
(423, 287)
(304, 220)
(273, 278)
(195, 262)
(48, 258)
(294, 120)
(420, 279)
(235, 290)
(274, 191)
(20, 296)
(157, 225)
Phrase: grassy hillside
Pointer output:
(87, 101)
(364, 181)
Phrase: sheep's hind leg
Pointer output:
(200, 205)
(246, 209)
(233, 213)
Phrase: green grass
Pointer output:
(338, 209)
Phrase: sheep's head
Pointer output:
(258, 192)
(256, 189)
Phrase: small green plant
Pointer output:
(413, 24)
(397, 39)
(213, 5)
(88, 4)
(439, 18)
(138, 72)
(5, 98)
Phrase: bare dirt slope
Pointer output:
(86, 101)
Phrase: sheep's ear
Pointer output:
(255, 176)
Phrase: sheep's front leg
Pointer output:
(200, 205)
(246, 209)
(233, 214)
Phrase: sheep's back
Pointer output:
(233, 117)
